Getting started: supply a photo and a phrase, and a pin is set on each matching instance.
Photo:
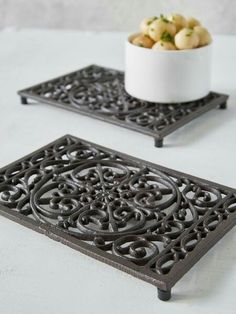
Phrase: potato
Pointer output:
(171, 33)
(158, 27)
(143, 41)
(204, 35)
(144, 26)
(186, 39)
(192, 22)
(178, 20)
(164, 45)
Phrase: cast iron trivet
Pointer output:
(99, 92)
(149, 221)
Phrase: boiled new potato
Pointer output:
(143, 41)
(192, 22)
(158, 27)
(144, 26)
(164, 45)
(172, 32)
(186, 39)
(178, 20)
(204, 35)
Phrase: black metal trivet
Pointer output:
(149, 221)
(99, 92)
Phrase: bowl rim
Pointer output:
(184, 51)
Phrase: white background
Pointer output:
(38, 275)
(218, 15)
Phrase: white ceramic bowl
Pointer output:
(167, 76)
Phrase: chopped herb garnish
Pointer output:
(152, 20)
(140, 45)
(189, 33)
(152, 29)
(164, 19)
(167, 37)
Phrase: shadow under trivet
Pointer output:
(99, 92)
(149, 221)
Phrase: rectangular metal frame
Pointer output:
(153, 119)
(17, 172)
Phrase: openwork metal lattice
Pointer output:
(149, 221)
(99, 92)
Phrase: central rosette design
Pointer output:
(104, 198)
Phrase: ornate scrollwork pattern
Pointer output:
(100, 92)
(150, 216)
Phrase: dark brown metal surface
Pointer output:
(99, 92)
(149, 221)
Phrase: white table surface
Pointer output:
(39, 275)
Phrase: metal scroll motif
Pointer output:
(101, 91)
(122, 206)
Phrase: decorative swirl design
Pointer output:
(150, 217)
(100, 91)
(136, 249)
(10, 195)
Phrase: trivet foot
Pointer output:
(159, 142)
(223, 106)
(23, 100)
(164, 295)
(157, 120)
(115, 179)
